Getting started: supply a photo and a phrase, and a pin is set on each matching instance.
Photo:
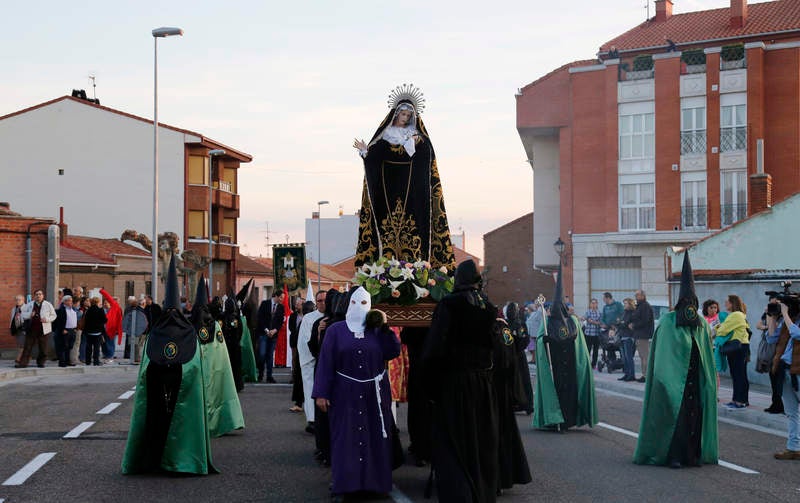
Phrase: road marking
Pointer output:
(108, 409)
(126, 395)
(133, 389)
(76, 431)
(396, 495)
(733, 422)
(26, 471)
(722, 463)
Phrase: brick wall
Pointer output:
(512, 246)
(12, 265)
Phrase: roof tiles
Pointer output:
(707, 25)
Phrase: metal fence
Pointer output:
(693, 142)
(732, 213)
(733, 138)
(694, 217)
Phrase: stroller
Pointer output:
(610, 344)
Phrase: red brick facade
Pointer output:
(508, 264)
(13, 233)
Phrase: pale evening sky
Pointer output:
(292, 83)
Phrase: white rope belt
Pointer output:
(377, 380)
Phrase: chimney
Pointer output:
(760, 192)
(664, 10)
(63, 226)
(738, 13)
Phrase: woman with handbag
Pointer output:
(736, 349)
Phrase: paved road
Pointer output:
(271, 459)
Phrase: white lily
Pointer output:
(375, 270)
(421, 292)
(407, 273)
(393, 262)
(395, 284)
(419, 264)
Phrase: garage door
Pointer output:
(621, 276)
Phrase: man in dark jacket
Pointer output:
(642, 326)
(270, 319)
(64, 329)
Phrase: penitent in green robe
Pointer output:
(187, 448)
(249, 370)
(668, 366)
(547, 409)
(222, 400)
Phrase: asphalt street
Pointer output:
(271, 460)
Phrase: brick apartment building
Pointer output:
(683, 125)
(97, 163)
(508, 270)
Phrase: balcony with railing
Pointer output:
(733, 57)
(693, 142)
(733, 138)
(732, 213)
(694, 217)
(640, 68)
(693, 61)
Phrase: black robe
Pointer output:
(232, 330)
(419, 409)
(510, 393)
(402, 207)
(685, 447)
(458, 366)
(521, 339)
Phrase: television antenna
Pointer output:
(93, 78)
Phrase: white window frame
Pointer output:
(639, 181)
(736, 129)
(699, 212)
(739, 207)
(636, 128)
(693, 131)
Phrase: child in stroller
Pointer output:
(610, 345)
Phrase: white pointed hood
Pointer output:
(357, 309)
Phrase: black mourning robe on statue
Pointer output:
(402, 208)
(458, 366)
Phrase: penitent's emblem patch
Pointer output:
(203, 334)
(508, 337)
(170, 351)
(219, 336)
(691, 313)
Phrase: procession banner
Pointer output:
(289, 264)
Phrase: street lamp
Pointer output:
(211, 154)
(157, 33)
(559, 246)
(319, 243)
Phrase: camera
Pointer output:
(787, 296)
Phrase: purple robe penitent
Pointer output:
(347, 371)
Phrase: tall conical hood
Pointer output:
(202, 320)
(242, 295)
(560, 324)
(231, 317)
(172, 296)
(686, 309)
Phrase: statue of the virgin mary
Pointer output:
(402, 209)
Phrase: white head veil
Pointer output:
(360, 304)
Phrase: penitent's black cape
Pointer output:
(458, 364)
(402, 207)
(510, 392)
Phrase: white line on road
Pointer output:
(126, 395)
(133, 389)
(108, 409)
(26, 471)
(733, 422)
(629, 433)
(76, 431)
(396, 495)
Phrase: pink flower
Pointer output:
(432, 282)
(409, 265)
(395, 293)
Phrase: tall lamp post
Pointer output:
(157, 33)
(212, 154)
(319, 243)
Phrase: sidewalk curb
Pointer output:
(752, 415)
(8, 375)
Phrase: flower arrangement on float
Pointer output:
(392, 281)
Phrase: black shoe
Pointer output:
(774, 410)
(623, 378)
(270, 380)
(641, 379)
(675, 464)
(310, 429)
(40, 365)
(20, 366)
